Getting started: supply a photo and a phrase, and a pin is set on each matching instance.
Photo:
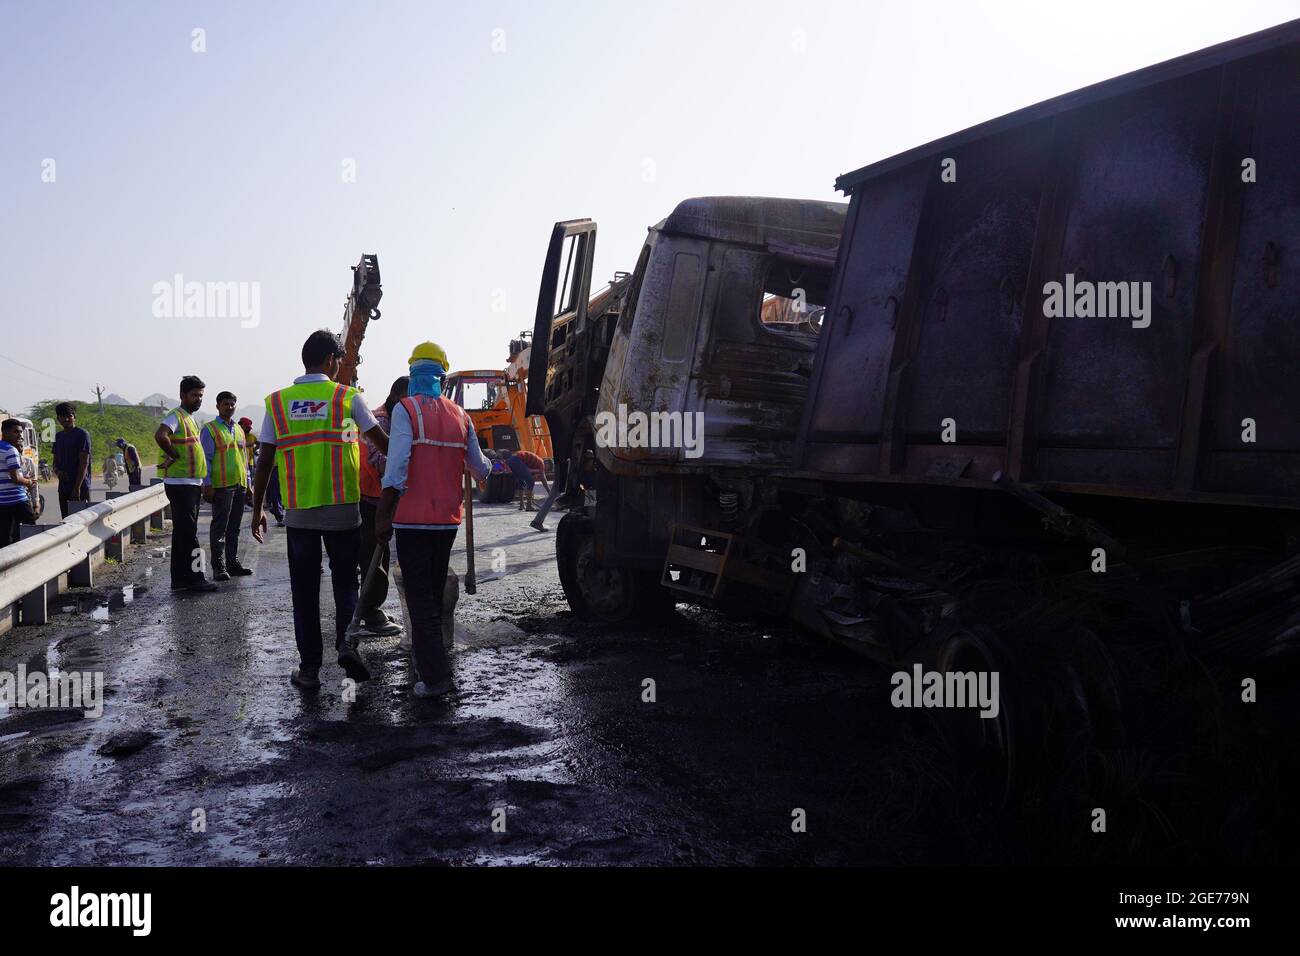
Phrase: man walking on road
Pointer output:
(375, 593)
(432, 442)
(183, 469)
(224, 487)
(310, 431)
(132, 458)
(71, 458)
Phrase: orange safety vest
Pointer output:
(371, 479)
(434, 475)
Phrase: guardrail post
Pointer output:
(35, 605)
(140, 532)
(115, 547)
(82, 574)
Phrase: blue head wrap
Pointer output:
(426, 378)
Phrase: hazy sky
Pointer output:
(471, 127)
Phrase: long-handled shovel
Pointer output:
(469, 535)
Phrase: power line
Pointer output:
(70, 381)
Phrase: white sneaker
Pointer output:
(426, 692)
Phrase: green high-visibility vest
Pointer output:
(185, 440)
(229, 462)
(316, 444)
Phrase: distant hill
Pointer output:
(131, 422)
(112, 398)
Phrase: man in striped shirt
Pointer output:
(15, 502)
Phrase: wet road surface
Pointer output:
(751, 723)
(549, 724)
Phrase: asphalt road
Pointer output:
(549, 734)
(50, 490)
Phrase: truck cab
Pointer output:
(676, 384)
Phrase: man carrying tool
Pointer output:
(310, 431)
(374, 590)
(432, 442)
(182, 468)
(224, 487)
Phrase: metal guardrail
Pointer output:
(30, 567)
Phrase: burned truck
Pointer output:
(1045, 379)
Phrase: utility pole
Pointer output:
(99, 395)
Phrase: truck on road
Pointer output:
(1054, 356)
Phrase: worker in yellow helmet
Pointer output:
(431, 443)
(311, 432)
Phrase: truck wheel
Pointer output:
(597, 592)
(989, 744)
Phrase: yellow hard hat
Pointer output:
(429, 350)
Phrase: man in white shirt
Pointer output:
(182, 467)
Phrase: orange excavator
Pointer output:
(495, 401)
(361, 308)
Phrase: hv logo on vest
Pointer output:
(307, 409)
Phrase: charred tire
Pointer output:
(500, 487)
(597, 592)
(990, 746)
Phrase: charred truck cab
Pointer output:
(678, 393)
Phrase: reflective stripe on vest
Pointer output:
(190, 462)
(229, 461)
(434, 482)
(316, 444)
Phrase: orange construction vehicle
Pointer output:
(495, 401)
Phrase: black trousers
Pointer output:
(69, 492)
(424, 556)
(223, 535)
(184, 501)
(273, 502)
(11, 516)
(132, 476)
(304, 581)
(372, 597)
